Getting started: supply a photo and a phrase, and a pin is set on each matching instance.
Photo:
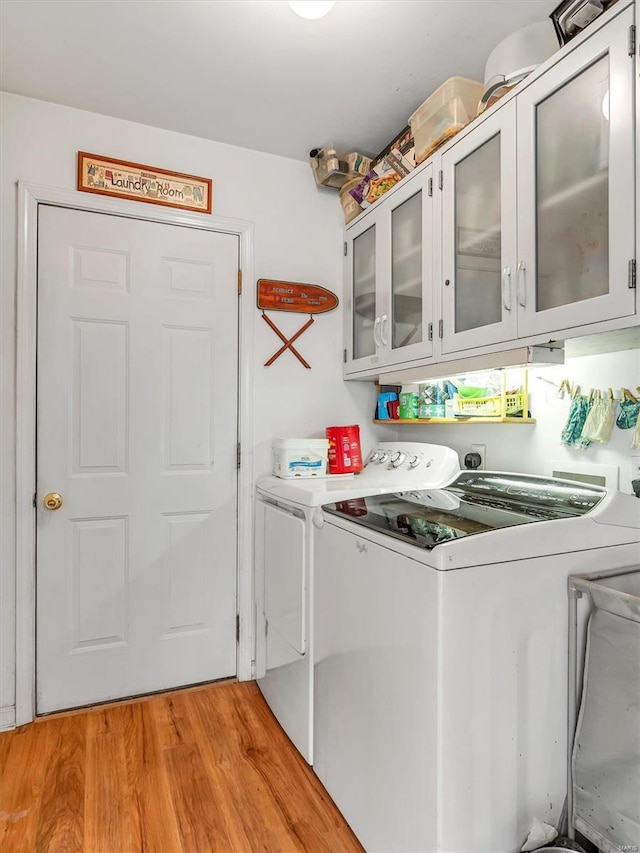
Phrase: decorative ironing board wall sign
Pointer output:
(297, 298)
(122, 179)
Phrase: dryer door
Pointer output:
(285, 577)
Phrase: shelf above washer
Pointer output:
(426, 421)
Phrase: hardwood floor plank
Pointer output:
(5, 745)
(111, 820)
(285, 769)
(198, 811)
(61, 819)
(253, 818)
(227, 718)
(22, 784)
(199, 771)
(171, 721)
(147, 778)
(288, 800)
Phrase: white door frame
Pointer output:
(30, 196)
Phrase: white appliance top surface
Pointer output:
(391, 467)
(493, 517)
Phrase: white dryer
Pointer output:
(284, 568)
(441, 655)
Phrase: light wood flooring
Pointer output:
(206, 770)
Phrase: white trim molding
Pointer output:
(7, 718)
(30, 196)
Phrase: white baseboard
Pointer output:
(7, 718)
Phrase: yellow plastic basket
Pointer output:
(488, 407)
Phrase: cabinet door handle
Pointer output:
(522, 284)
(376, 333)
(383, 325)
(506, 288)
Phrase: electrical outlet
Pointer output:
(482, 450)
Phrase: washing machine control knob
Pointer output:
(414, 461)
(374, 456)
(384, 457)
(397, 459)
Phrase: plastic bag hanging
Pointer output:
(629, 411)
(582, 442)
(601, 419)
(578, 412)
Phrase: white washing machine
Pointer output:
(284, 568)
(441, 655)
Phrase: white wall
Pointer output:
(298, 234)
(532, 449)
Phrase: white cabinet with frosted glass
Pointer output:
(576, 213)
(538, 204)
(389, 273)
(479, 243)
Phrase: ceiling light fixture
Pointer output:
(312, 9)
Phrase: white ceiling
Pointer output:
(251, 72)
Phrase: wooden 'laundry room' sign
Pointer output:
(122, 179)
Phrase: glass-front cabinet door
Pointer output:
(389, 262)
(479, 235)
(365, 321)
(406, 327)
(363, 310)
(576, 187)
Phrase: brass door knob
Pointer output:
(52, 501)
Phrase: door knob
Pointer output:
(52, 501)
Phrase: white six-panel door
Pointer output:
(137, 431)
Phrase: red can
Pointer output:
(345, 456)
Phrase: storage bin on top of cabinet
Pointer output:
(452, 106)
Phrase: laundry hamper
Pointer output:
(605, 761)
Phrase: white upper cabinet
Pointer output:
(389, 272)
(479, 250)
(532, 237)
(576, 187)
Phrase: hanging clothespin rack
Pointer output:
(293, 297)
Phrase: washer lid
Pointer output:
(476, 502)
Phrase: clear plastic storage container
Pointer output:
(444, 113)
(300, 457)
